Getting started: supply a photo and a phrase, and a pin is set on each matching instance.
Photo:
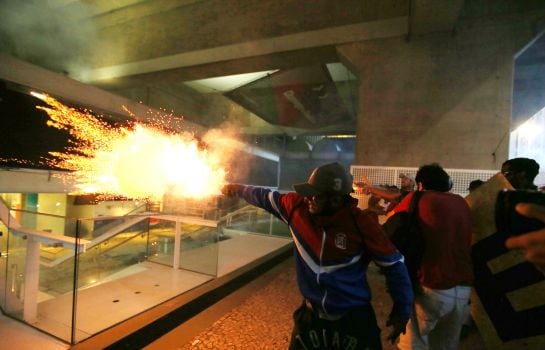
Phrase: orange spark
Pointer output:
(140, 161)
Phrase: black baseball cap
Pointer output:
(330, 178)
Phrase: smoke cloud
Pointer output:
(35, 31)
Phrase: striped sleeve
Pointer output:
(385, 255)
(400, 288)
(264, 198)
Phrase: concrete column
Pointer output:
(437, 98)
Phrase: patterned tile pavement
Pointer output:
(263, 321)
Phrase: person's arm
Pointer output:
(258, 196)
(401, 291)
(403, 205)
(390, 260)
(378, 191)
(532, 243)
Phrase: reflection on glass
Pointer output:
(199, 249)
(255, 220)
(120, 246)
(114, 254)
(161, 241)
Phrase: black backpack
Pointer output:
(404, 232)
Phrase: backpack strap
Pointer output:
(413, 206)
(413, 209)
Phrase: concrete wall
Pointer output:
(439, 98)
(32, 181)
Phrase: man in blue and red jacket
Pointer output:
(334, 243)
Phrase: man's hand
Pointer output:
(398, 324)
(362, 187)
(533, 243)
(231, 190)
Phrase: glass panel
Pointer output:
(15, 275)
(96, 227)
(254, 220)
(40, 272)
(161, 241)
(123, 247)
(54, 224)
(110, 258)
(269, 224)
(199, 249)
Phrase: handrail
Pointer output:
(51, 239)
(37, 213)
(57, 240)
(186, 219)
(243, 210)
(145, 206)
(115, 230)
(128, 223)
(249, 209)
(104, 237)
(136, 234)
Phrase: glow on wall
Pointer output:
(527, 141)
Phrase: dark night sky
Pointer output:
(24, 134)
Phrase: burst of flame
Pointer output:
(140, 161)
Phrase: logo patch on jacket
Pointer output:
(340, 241)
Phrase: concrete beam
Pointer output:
(33, 181)
(112, 14)
(219, 23)
(433, 16)
(278, 60)
(317, 38)
(69, 90)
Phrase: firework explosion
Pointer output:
(139, 161)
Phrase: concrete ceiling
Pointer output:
(183, 55)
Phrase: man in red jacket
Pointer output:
(334, 243)
(445, 273)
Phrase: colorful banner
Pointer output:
(302, 97)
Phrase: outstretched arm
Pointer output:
(258, 196)
(378, 191)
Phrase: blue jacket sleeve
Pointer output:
(384, 254)
(400, 288)
(263, 198)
